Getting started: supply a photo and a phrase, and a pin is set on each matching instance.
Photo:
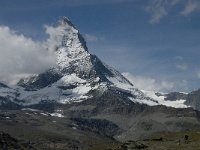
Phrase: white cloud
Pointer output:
(179, 58)
(92, 38)
(198, 74)
(21, 56)
(149, 84)
(159, 9)
(174, 2)
(183, 67)
(190, 7)
(55, 36)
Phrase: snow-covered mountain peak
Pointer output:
(67, 35)
(64, 34)
(65, 21)
(77, 75)
(69, 46)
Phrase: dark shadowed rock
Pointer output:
(193, 99)
(100, 126)
(40, 81)
(175, 96)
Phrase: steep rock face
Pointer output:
(71, 51)
(73, 57)
(3, 85)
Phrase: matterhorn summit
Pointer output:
(69, 46)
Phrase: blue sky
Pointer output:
(157, 40)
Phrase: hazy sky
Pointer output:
(157, 41)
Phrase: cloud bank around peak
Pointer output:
(21, 56)
(151, 84)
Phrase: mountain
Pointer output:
(93, 96)
(76, 76)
